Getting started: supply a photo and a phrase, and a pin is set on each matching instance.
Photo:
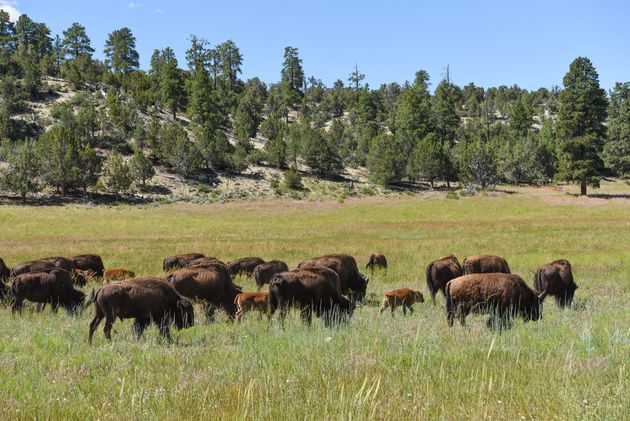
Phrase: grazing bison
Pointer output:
(244, 266)
(265, 271)
(179, 261)
(405, 297)
(5, 290)
(5, 272)
(556, 279)
(211, 284)
(485, 264)
(113, 275)
(440, 272)
(203, 261)
(499, 294)
(32, 266)
(377, 260)
(313, 288)
(89, 262)
(54, 287)
(143, 299)
(353, 282)
(248, 301)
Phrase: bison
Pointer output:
(485, 264)
(405, 297)
(203, 261)
(142, 299)
(248, 301)
(179, 261)
(32, 266)
(54, 287)
(377, 260)
(265, 271)
(353, 282)
(313, 288)
(89, 262)
(556, 279)
(113, 275)
(5, 272)
(244, 266)
(499, 294)
(210, 284)
(440, 272)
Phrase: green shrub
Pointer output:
(292, 179)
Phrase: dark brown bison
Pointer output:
(485, 264)
(89, 262)
(353, 282)
(5, 272)
(265, 271)
(32, 266)
(377, 260)
(114, 275)
(405, 297)
(202, 261)
(311, 289)
(244, 266)
(143, 299)
(210, 284)
(440, 272)
(556, 279)
(54, 287)
(248, 301)
(179, 261)
(499, 294)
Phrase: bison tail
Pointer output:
(464, 266)
(430, 285)
(537, 281)
(449, 300)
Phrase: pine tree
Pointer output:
(617, 148)
(116, 174)
(384, 161)
(76, 42)
(120, 50)
(141, 167)
(580, 126)
(22, 174)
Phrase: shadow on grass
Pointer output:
(61, 200)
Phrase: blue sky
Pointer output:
(490, 43)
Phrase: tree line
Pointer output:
(202, 118)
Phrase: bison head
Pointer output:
(184, 314)
(418, 297)
(359, 293)
(565, 300)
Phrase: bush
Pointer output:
(292, 179)
(368, 191)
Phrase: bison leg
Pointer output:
(460, 312)
(410, 309)
(98, 316)
(384, 305)
(16, 306)
(139, 326)
(210, 309)
(307, 315)
(165, 331)
(109, 323)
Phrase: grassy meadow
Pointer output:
(573, 364)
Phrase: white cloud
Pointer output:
(159, 11)
(133, 5)
(9, 7)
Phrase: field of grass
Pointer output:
(573, 364)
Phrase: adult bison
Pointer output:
(32, 266)
(244, 266)
(265, 271)
(89, 262)
(440, 272)
(179, 260)
(485, 264)
(499, 294)
(556, 279)
(353, 282)
(144, 299)
(377, 261)
(5, 272)
(203, 261)
(311, 289)
(210, 284)
(54, 287)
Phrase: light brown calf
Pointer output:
(113, 275)
(404, 297)
(248, 301)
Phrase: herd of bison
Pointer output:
(329, 286)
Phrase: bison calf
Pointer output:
(498, 294)
(377, 261)
(405, 297)
(248, 301)
(113, 275)
(142, 299)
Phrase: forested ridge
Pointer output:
(71, 124)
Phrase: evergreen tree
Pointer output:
(338, 99)
(427, 160)
(580, 126)
(384, 161)
(413, 119)
(116, 174)
(141, 167)
(76, 42)
(22, 174)
(292, 74)
(520, 118)
(120, 50)
(617, 149)
(231, 59)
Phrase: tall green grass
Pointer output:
(570, 365)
